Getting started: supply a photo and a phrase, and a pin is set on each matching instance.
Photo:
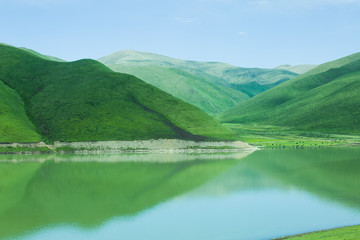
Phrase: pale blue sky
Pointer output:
(249, 33)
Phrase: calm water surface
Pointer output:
(266, 194)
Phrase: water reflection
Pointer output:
(224, 196)
(87, 191)
(124, 157)
(332, 173)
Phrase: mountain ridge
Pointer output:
(242, 81)
(323, 99)
(86, 101)
(299, 69)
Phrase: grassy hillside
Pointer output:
(238, 76)
(333, 64)
(254, 80)
(324, 99)
(299, 69)
(86, 101)
(14, 124)
(201, 92)
(51, 58)
(348, 233)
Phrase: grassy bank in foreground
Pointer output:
(348, 233)
(268, 136)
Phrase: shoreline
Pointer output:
(336, 233)
(136, 146)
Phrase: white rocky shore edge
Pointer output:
(157, 146)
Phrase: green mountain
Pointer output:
(207, 85)
(201, 92)
(14, 124)
(86, 101)
(47, 57)
(324, 99)
(299, 69)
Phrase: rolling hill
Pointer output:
(46, 57)
(86, 101)
(324, 99)
(202, 78)
(201, 92)
(299, 69)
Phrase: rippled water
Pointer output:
(266, 194)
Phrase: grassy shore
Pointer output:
(23, 150)
(262, 136)
(348, 233)
(266, 136)
(160, 145)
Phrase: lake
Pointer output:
(259, 195)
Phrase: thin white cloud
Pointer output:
(242, 33)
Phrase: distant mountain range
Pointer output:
(86, 101)
(324, 99)
(211, 86)
(46, 98)
(299, 69)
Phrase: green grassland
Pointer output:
(86, 101)
(277, 137)
(42, 99)
(14, 124)
(348, 233)
(325, 99)
(250, 81)
(210, 97)
(25, 150)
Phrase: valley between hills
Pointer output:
(132, 95)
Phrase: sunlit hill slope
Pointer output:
(86, 101)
